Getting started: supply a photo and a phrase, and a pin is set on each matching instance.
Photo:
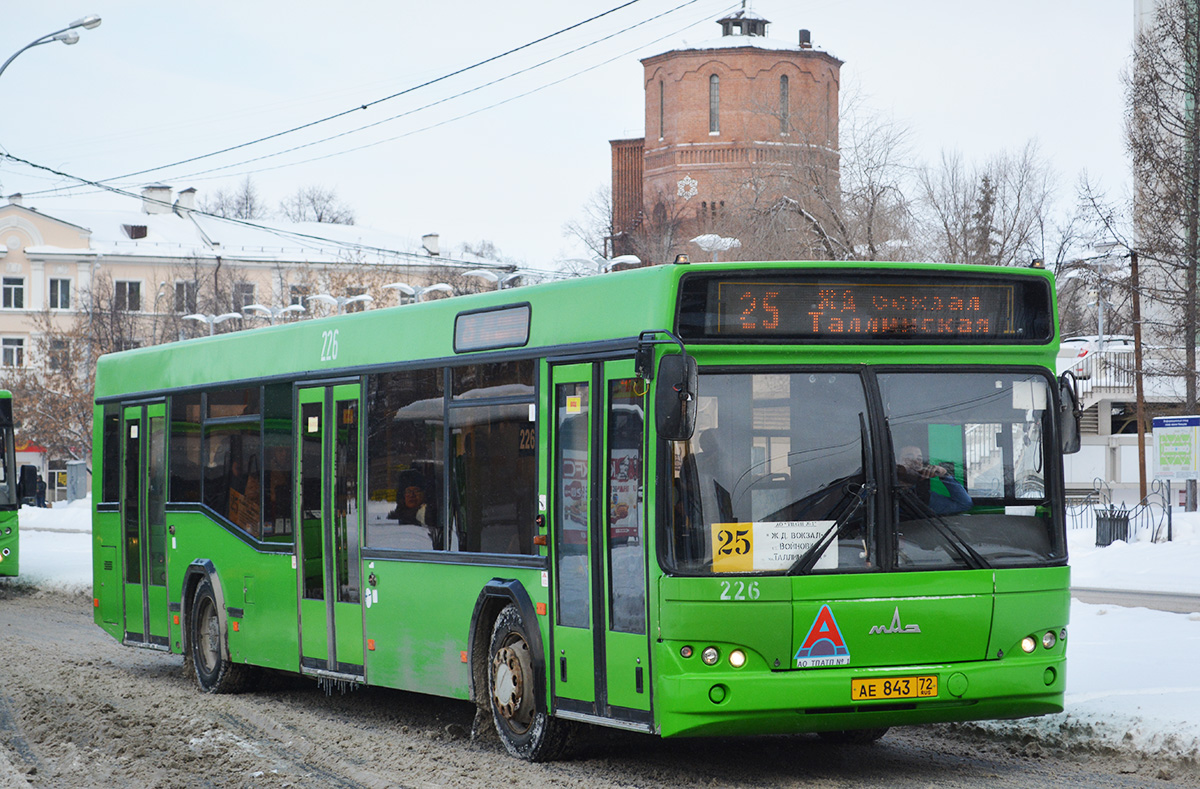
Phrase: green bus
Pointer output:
(10, 492)
(684, 500)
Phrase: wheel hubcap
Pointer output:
(210, 640)
(510, 670)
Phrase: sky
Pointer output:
(1131, 672)
(158, 83)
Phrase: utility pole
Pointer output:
(1137, 371)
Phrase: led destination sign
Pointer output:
(867, 307)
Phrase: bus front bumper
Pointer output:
(739, 702)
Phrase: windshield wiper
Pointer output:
(968, 554)
(853, 500)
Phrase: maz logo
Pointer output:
(895, 627)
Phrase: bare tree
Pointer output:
(55, 388)
(991, 214)
(662, 234)
(242, 202)
(594, 227)
(316, 204)
(1161, 130)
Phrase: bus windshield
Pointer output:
(785, 474)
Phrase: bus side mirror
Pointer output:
(676, 397)
(1069, 414)
(27, 484)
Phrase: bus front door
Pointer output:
(600, 665)
(143, 523)
(328, 570)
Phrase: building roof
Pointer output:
(182, 233)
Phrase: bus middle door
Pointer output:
(600, 666)
(143, 523)
(328, 570)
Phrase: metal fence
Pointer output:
(1147, 521)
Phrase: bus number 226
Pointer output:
(740, 590)
(329, 345)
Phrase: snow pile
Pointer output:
(1133, 683)
(1140, 566)
(1132, 679)
(56, 549)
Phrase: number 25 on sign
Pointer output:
(733, 547)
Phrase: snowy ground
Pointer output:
(1133, 681)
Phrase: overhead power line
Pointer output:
(466, 92)
(381, 100)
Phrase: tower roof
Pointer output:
(744, 23)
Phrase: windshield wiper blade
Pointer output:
(854, 499)
(968, 554)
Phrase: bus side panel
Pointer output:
(420, 624)
(9, 543)
(106, 572)
(267, 630)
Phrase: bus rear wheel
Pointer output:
(525, 728)
(214, 672)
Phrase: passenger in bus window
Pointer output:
(413, 507)
(914, 473)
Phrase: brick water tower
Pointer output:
(730, 123)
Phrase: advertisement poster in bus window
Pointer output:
(770, 546)
(623, 512)
(573, 478)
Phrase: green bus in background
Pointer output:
(684, 500)
(10, 498)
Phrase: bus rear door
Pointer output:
(328, 570)
(600, 658)
(143, 521)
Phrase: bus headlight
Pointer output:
(685, 652)
(1049, 640)
(1028, 643)
(710, 656)
(737, 658)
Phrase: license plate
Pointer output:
(923, 687)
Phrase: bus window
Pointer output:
(493, 480)
(405, 419)
(626, 516)
(232, 482)
(777, 460)
(184, 457)
(496, 379)
(278, 469)
(971, 460)
(111, 476)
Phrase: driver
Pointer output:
(914, 473)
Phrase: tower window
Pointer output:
(662, 111)
(714, 104)
(784, 110)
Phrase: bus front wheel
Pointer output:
(525, 728)
(213, 670)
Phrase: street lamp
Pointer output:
(273, 313)
(212, 320)
(67, 35)
(341, 302)
(711, 242)
(493, 277)
(418, 294)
